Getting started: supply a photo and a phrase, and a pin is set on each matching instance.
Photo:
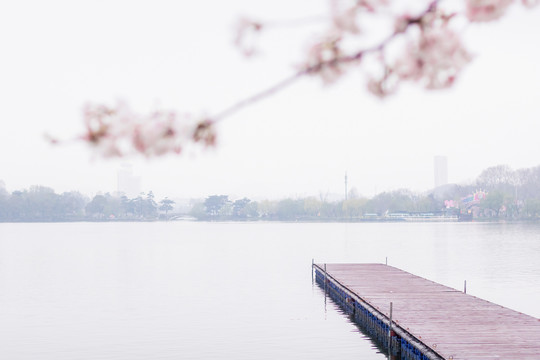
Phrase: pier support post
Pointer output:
(325, 278)
(390, 333)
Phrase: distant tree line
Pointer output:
(219, 207)
(509, 194)
(40, 203)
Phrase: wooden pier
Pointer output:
(428, 320)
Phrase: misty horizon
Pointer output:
(299, 142)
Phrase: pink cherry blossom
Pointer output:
(382, 87)
(387, 83)
(345, 16)
(401, 23)
(372, 5)
(117, 131)
(486, 10)
(344, 20)
(435, 58)
(205, 133)
(323, 59)
(101, 129)
(247, 32)
(530, 3)
(158, 135)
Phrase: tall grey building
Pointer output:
(128, 183)
(440, 167)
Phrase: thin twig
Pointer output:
(316, 68)
(261, 95)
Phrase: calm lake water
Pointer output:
(187, 290)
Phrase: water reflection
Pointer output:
(229, 290)
(376, 345)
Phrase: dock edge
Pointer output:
(377, 324)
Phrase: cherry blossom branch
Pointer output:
(319, 66)
(259, 96)
(433, 57)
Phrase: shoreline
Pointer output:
(307, 221)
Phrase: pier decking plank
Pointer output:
(453, 324)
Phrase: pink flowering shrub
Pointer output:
(433, 56)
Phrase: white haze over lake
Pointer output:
(58, 55)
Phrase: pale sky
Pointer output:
(58, 55)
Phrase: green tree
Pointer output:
(198, 210)
(43, 204)
(143, 207)
(532, 207)
(149, 208)
(267, 208)
(73, 204)
(290, 209)
(494, 200)
(252, 209)
(312, 206)
(241, 208)
(113, 207)
(354, 207)
(398, 200)
(528, 183)
(4, 204)
(214, 205)
(17, 206)
(96, 206)
(166, 205)
(125, 205)
(497, 177)
(427, 203)
(332, 210)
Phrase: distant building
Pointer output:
(128, 184)
(440, 167)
